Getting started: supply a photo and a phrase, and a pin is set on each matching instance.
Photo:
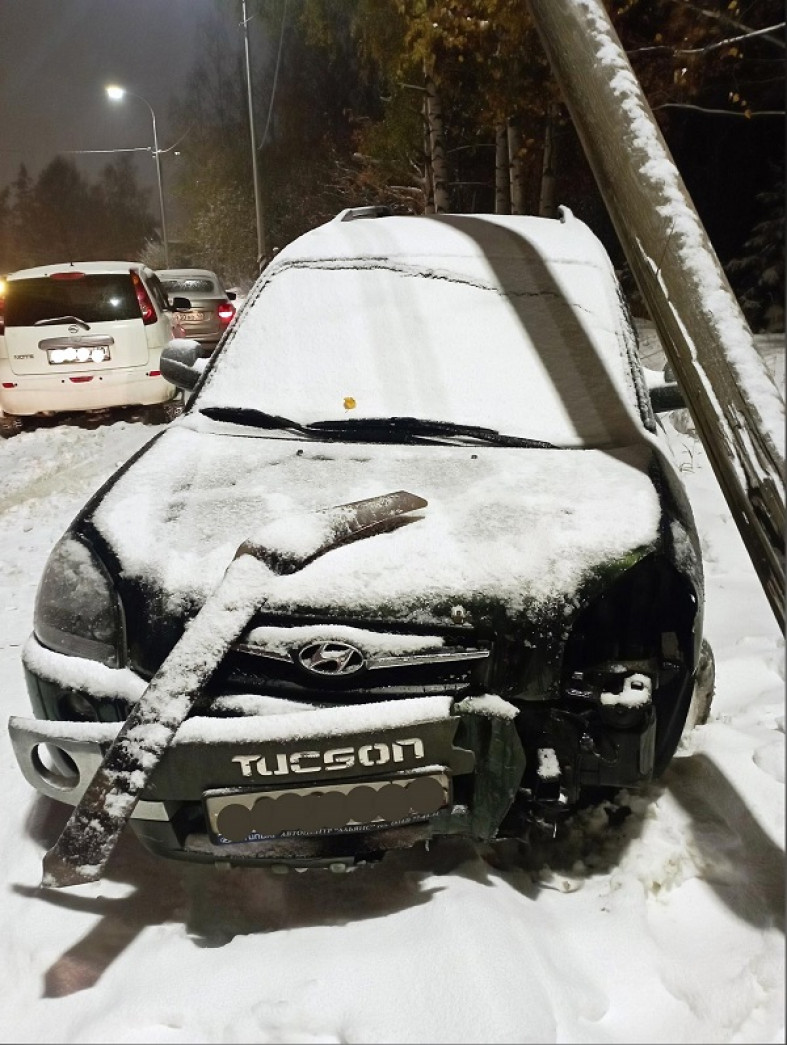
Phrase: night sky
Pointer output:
(56, 56)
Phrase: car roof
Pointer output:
(88, 267)
(459, 241)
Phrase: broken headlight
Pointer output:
(77, 611)
(643, 623)
(644, 626)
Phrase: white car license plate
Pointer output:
(248, 816)
(192, 317)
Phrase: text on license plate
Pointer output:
(242, 816)
(191, 317)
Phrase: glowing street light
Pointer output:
(117, 94)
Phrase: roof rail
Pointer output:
(377, 210)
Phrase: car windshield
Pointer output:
(92, 299)
(336, 341)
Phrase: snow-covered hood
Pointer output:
(507, 527)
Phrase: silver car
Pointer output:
(212, 309)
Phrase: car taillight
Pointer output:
(145, 304)
(69, 274)
(226, 311)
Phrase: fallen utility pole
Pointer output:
(734, 402)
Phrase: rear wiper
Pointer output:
(245, 415)
(62, 319)
(400, 428)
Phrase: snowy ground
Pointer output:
(664, 927)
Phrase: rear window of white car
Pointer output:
(192, 285)
(92, 298)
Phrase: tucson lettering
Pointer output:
(377, 754)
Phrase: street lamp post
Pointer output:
(116, 94)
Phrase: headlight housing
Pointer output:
(77, 611)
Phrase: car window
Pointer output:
(93, 298)
(191, 285)
(545, 360)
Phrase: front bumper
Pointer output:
(471, 745)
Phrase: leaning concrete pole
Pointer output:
(735, 404)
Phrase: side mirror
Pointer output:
(180, 304)
(180, 364)
(231, 294)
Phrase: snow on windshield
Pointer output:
(517, 333)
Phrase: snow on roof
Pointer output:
(468, 236)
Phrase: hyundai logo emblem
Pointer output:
(73, 330)
(331, 658)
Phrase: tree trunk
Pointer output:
(515, 172)
(437, 148)
(735, 404)
(502, 184)
(428, 172)
(547, 202)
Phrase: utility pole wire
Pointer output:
(135, 148)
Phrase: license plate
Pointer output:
(191, 317)
(249, 816)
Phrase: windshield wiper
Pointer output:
(62, 319)
(404, 428)
(375, 429)
(245, 415)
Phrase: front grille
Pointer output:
(350, 664)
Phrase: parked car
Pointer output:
(83, 336)
(477, 599)
(211, 310)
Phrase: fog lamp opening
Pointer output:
(55, 766)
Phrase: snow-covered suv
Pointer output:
(412, 563)
(82, 336)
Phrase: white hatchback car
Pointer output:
(84, 336)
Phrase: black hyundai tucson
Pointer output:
(473, 596)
